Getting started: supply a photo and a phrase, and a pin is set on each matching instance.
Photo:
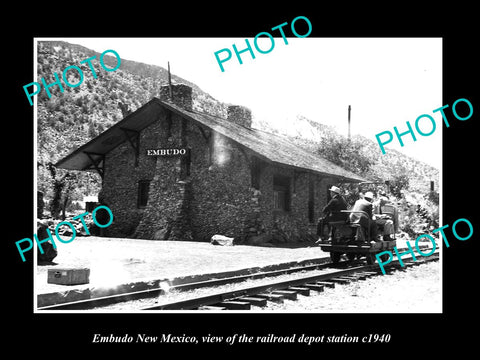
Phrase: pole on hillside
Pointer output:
(170, 82)
(349, 109)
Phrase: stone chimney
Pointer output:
(182, 95)
(239, 115)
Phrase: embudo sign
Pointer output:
(166, 152)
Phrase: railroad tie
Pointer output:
(272, 297)
(362, 276)
(338, 280)
(235, 305)
(291, 295)
(210, 307)
(326, 284)
(317, 287)
(254, 300)
(370, 273)
(353, 277)
(300, 289)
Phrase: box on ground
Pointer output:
(68, 276)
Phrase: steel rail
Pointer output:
(103, 301)
(218, 298)
(141, 294)
(251, 290)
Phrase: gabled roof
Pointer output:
(270, 147)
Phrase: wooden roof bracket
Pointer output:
(206, 135)
(133, 137)
(97, 164)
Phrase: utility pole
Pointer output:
(349, 108)
(170, 82)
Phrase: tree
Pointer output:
(70, 181)
(58, 185)
(124, 109)
(345, 153)
(67, 182)
(92, 132)
(398, 183)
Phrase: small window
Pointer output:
(281, 193)
(186, 161)
(255, 173)
(311, 201)
(143, 187)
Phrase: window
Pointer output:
(185, 161)
(255, 173)
(311, 201)
(143, 187)
(281, 193)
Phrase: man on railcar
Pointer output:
(385, 215)
(332, 211)
(365, 219)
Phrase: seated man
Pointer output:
(365, 220)
(332, 211)
(385, 213)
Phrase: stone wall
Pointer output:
(216, 197)
(181, 93)
(292, 225)
(167, 211)
(220, 180)
(120, 184)
(239, 115)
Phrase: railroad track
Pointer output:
(131, 296)
(277, 291)
(248, 296)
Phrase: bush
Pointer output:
(398, 184)
(418, 215)
(434, 197)
(345, 153)
(412, 225)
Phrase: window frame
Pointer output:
(282, 193)
(143, 193)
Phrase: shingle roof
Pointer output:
(273, 148)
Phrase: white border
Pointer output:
(200, 313)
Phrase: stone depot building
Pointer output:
(225, 177)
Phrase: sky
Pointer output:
(386, 81)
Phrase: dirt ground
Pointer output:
(114, 261)
(416, 290)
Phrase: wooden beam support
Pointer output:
(95, 163)
(133, 137)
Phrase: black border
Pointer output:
(410, 332)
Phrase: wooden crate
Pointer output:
(68, 276)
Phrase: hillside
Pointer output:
(68, 120)
(308, 134)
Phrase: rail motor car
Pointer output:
(354, 241)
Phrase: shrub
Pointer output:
(398, 184)
(345, 153)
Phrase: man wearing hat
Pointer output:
(386, 215)
(332, 211)
(364, 219)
